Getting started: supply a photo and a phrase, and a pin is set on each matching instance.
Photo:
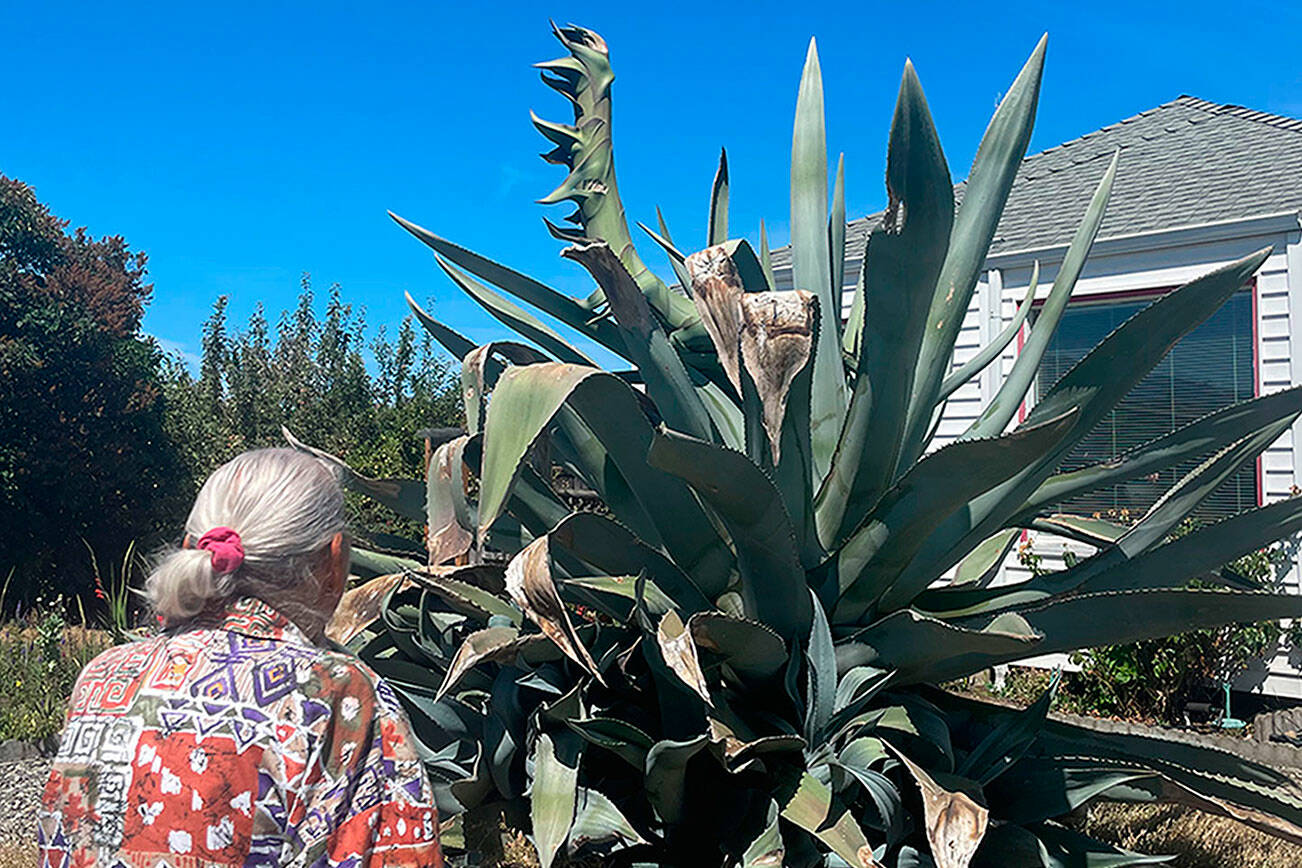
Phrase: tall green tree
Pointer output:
(84, 454)
(320, 376)
(105, 439)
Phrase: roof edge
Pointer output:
(1283, 122)
(1194, 233)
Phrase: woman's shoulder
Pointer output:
(346, 680)
(136, 653)
(144, 652)
(114, 675)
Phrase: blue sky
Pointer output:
(243, 144)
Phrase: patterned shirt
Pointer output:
(236, 743)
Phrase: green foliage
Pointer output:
(1157, 678)
(732, 659)
(366, 399)
(1033, 561)
(119, 592)
(106, 439)
(40, 659)
(86, 454)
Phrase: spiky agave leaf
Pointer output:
(586, 149)
(811, 260)
(729, 652)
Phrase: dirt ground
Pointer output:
(16, 855)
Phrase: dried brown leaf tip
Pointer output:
(360, 607)
(777, 337)
(679, 652)
(955, 822)
(866, 859)
(612, 276)
(445, 538)
(717, 291)
(472, 385)
(498, 644)
(529, 582)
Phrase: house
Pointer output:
(1198, 185)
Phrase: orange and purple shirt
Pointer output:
(238, 742)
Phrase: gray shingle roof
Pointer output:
(1183, 163)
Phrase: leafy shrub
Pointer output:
(368, 396)
(40, 659)
(84, 453)
(1156, 679)
(106, 439)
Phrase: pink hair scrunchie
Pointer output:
(226, 547)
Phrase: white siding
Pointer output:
(852, 267)
(965, 405)
(1279, 326)
(1171, 266)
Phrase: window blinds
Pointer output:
(1209, 369)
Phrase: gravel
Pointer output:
(21, 784)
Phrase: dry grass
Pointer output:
(517, 852)
(17, 855)
(1199, 840)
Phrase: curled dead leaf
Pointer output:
(492, 644)
(717, 291)
(679, 652)
(446, 537)
(472, 385)
(530, 584)
(955, 822)
(866, 859)
(621, 289)
(777, 337)
(360, 607)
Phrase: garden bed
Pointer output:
(40, 659)
(41, 656)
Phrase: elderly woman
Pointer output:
(236, 737)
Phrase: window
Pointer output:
(1212, 367)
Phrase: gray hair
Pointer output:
(286, 506)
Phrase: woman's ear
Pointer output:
(338, 565)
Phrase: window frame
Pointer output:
(1152, 294)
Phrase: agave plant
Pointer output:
(730, 652)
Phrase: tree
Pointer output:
(314, 378)
(83, 450)
(105, 439)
